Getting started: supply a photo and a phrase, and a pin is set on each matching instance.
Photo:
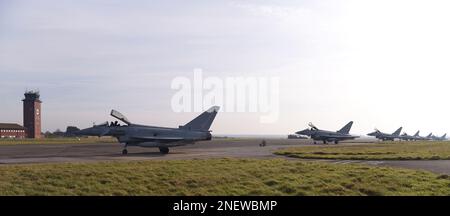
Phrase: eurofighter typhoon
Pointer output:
(132, 134)
(385, 136)
(328, 136)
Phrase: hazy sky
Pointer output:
(382, 63)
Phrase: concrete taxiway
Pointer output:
(218, 148)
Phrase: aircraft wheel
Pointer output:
(315, 142)
(164, 150)
(336, 142)
(124, 152)
(324, 142)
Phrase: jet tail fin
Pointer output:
(417, 134)
(398, 131)
(346, 128)
(204, 121)
(444, 136)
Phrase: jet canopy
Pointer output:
(313, 127)
(120, 116)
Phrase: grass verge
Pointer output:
(217, 177)
(378, 151)
(58, 141)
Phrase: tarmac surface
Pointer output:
(218, 148)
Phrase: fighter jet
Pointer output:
(418, 137)
(407, 137)
(442, 138)
(132, 134)
(328, 136)
(384, 136)
(429, 137)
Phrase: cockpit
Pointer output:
(115, 124)
(313, 127)
(108, 124)
(119, 116)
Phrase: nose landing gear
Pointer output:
(125, 151)
(263, 143)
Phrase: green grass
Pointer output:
(58, 141)
(217, 177)
(377, 151)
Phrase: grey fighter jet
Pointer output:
(437, 138)
(328, 136)
(407, 137)
(418, 137)
(150, 136)
(384, 136)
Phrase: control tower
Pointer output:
(32, 114)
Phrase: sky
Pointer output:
(382, 64)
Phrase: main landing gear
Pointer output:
(125, 151)
(164, 150)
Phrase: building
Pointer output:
(31, 119)
(32, 114)
(11, 130)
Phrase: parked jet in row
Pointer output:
(418, 137)
(437, 138)
(328, 136)
(385, 136)
(150, 136)
(407, 137)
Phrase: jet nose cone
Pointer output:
(302, 132)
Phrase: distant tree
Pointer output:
(48, 134)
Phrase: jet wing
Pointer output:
(156, 138)
(337, 136)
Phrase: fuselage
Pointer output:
(148, 136)
(407, 137)
(324, 135)
(383, 136)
